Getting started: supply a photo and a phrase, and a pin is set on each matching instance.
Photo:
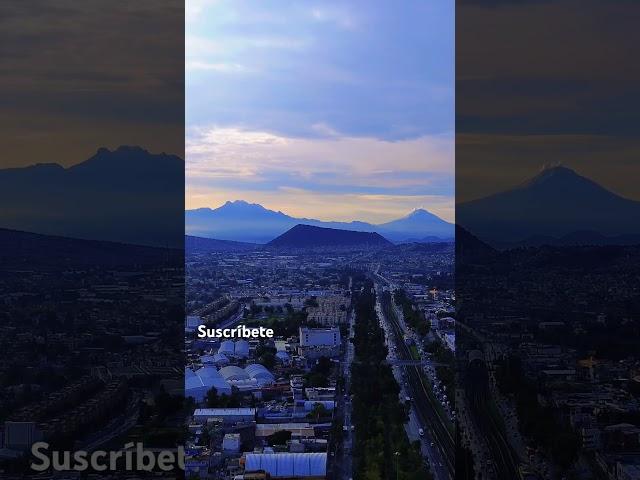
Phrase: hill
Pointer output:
(207, 245)
(557, 203)
(31, 251)
(308, 236)
(250, 222)
(470, 249)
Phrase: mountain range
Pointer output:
(126, 195)
(249, 222)
(557, 206)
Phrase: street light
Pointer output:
(397, 455)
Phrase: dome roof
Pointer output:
(226, 347)
(241, 348)
(232, 372)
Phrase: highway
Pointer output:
(346, 466)
(428, 415)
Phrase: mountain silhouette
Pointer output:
(32, 251)
(556, 203)
(420, 221)
(249, 222)
(470, 249)
(127, 195)
(308, 236)
(206, 245)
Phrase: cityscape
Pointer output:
(337, 240)
(352, 323)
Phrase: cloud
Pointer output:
(332, 109)
(349, 157)
(391, 177)
(366, 69)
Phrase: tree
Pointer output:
(212, 398)
(318, 411)
(281, 437)
(205, 438)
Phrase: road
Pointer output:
(505, 461)
(438, 442)
(346, 467)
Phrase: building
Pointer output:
(625, 471)
(20, 435)
(234, 373)
(231, 444)
(198, 383)
(192, 322)
(319, 337)
(259, 373)
(298, 430)
(288, 465)
(229, 416)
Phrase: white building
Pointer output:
(197, 384)
(231, 443)
(228, 416)
(192, 322)
(319, 337)
(288, 465)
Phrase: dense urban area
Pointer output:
(548, 367)
(92, 349)
(358, 381)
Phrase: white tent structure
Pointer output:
(226, 348)
(259, 373)
(288, 465)
(198, 383)
(232, 372)
(241, 349)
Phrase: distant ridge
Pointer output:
(308, 236)
(33, 251)
(250, 222)
(207, 245)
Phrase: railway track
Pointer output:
(427, 411)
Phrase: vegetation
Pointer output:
(412, 316)
(319, 374)
(286, 325)
(281, 437)
(266, 355)
(382, 449)
(214, 400)
(318, 411)
(536, 421)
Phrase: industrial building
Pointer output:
(288, 465)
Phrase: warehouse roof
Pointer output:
(288, 464)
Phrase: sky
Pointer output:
(77, 76)
(328, 110)
(543, 82)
